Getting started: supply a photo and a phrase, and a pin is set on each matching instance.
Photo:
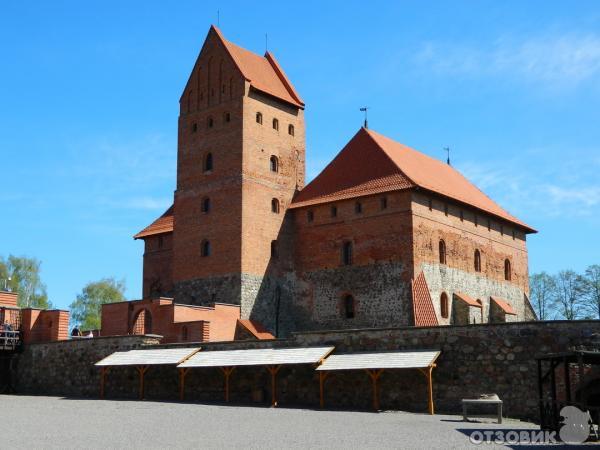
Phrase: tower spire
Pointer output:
(364, 109)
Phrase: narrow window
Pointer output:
(442, 251)
(208, 163)
(259, 118)
(347, 253)
(477, 261)
(194, 127)
(507, 270)
(227, 117)
(276, 124)
(444, 305)
(275, 206)
(383, 202)
(210, 122)
(223, 89)
(310, 216)
(205, 205)
(358, 207)
(274, 253)
(205, 249)
(274, 164)
(334, 211)
(291, 129)
(160, 242)
(184, 333)
(349, 307)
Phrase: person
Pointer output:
(90, 334)
(75, 332)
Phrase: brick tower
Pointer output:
(240, 159)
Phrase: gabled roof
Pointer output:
(423, 310)
(504, 305)
(372, 163)
(263, 72)
(164, 224)
(468, 300)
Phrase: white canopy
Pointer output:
(380, 360)
(148, 357)
(257, 357)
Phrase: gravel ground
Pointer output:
(54, 422)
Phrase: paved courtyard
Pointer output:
(54, 422)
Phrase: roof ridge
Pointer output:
(281, 74)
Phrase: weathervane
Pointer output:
(364, 109)
(447, 154)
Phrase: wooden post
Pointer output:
(428, 372)
(322, 377)
(227, 372)
(375, 374)
(182, 373)
(142, 371)
(103, 372)
(273, 371)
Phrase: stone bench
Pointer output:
(482, 401)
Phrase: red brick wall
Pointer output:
(158, 272)
(8, 298)
(44, 325)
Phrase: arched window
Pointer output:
(348, 307)
(347, 253)
(227, 117)
(194, 127)
(507, 270)
(275, 206)
(205, 248)
(358, 207)
(259, 118)
(208, 162)
(142, 323)
(210, 122)
(477, 261)
(205, 205)
(274, 252)
(383, 202)
(444, 305)
(291, 129)
(334, 211)
(184, 333)
(310, 216)
(276, 124)
(442, 251)
(274, 162)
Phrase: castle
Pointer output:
(383, 236)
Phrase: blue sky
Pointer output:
(89, 101)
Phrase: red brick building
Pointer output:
(384, 236)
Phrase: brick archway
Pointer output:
(142, 323)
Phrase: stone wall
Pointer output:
(474, 359)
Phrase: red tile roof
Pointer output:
(371, 158)
(164, 224)
(468, 300)
(256, 329)
(504, 305)
(424, 312)
(263, 72)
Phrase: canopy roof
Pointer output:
(381, 360)
(258, 357)
(164, 224)
(148, 357)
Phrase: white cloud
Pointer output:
(556, 61)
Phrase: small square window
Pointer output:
(310, 216)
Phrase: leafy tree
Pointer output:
(542, 289)
(591, 287)
(86, 309)
(24, 274)
(568, 299)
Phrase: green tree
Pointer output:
(591, 287)
(25, 280)
(86, 309)
(542, 288)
